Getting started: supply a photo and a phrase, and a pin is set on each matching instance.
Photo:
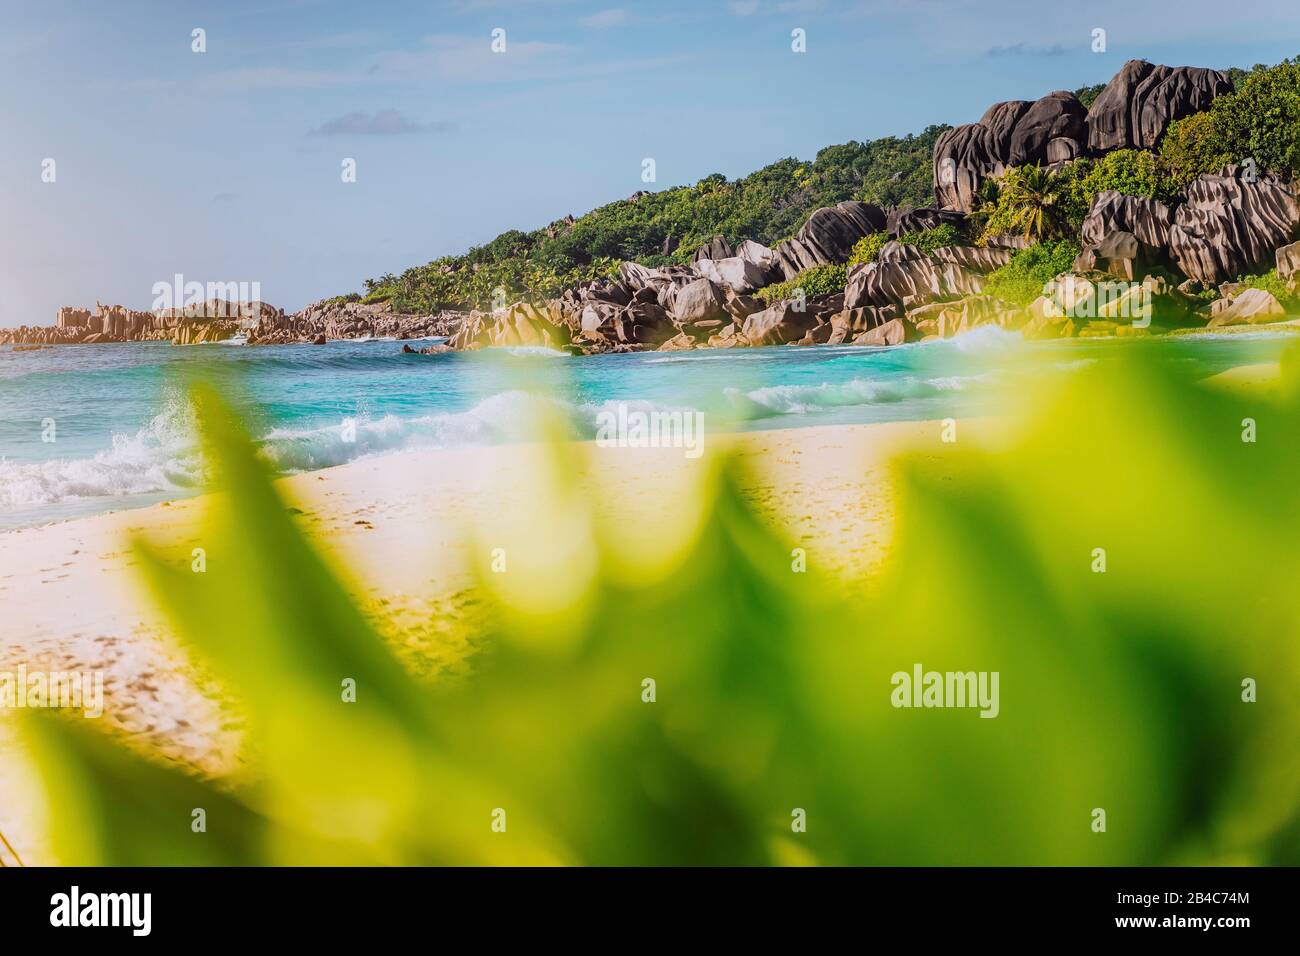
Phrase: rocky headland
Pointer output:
(1144, 265)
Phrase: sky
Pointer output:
(226, 165)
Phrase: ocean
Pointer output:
(87, 429)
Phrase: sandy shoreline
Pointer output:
(406, 528)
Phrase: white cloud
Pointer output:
(605, 19)
(380, 123)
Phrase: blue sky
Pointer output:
(225, 165)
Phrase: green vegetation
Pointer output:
(868, 247)
(817, 281)
(1133, 172)
(668, 226)
(1033, 202)
(1087, 95)
(1260, 120)
(1121, 690)
(1043, 205)
(1028, 271)
(928, 240)
(1272, 283)
(1192, 147)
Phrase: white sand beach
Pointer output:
(402, 525)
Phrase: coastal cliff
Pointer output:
(1165, 200)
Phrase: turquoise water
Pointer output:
(124, 434)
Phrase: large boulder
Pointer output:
(828, 236)
(895, 251)
(1142, 99)
(1147, 219)
(849, 323)
(905, 219)
(1009, 134)
(762, 257)
(715, 248)
(735, 272)
(964, 157)
(908, 282)
(893, 332)
(1229, 227)
(999, 122)
(981, 259)
(1288, 261)
(1056, 116)
(697, 302)
(779, 324)
(1251, 306)
(634, 275)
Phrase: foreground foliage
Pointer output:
(1120, 690)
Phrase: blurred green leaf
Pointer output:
(1118, 690)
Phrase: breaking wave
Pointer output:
(805, 399)
(160, 457)
(163, 457)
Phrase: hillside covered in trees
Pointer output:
(666, 227)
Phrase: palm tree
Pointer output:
(1036, 201)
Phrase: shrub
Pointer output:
(1272, 283)
(867, 248)
(817, 281)
(1261, 119)
(1133, 172)
(1023, 278)
(928, 240)
(1087, 95)
(1192, 146)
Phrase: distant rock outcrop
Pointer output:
(715, 248)
(1013, 133)
(1133, 111)
(1142, 99)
